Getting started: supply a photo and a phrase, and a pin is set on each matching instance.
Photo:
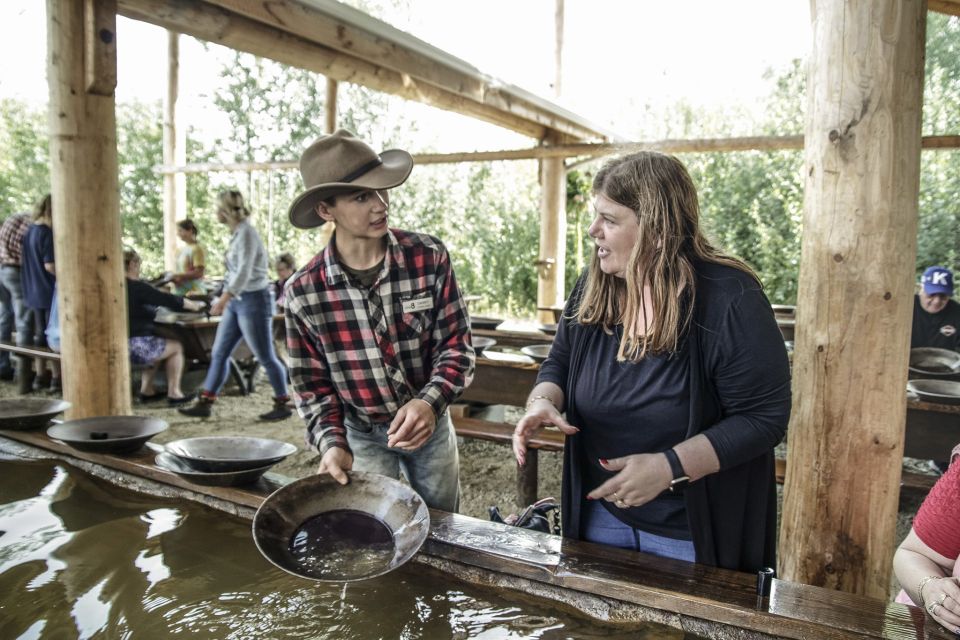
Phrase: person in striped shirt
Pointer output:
(377, 330)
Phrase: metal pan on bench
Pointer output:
(318, 529)
(483, 322)
(175, 465)
(930, 362)
(217, 454)
(538, 352)
(29, 413)
(107, 434)
(480, 343)
(938, 391)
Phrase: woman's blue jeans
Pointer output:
(248, 317)
(601, 526)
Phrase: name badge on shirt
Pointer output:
(417, 304)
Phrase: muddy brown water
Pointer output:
(81, 558)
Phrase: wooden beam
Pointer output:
(357, 35)
(171, 153)
(215, 24)
(86, 223)
(330, 108)
(862, 166)
(949, 7)
(553, 235)
(711, 145)
(100, 46)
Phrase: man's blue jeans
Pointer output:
(248, 317)
(433, 470)
(12, 310)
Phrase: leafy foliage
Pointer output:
(24, 156)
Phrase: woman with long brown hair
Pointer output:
(673, 378)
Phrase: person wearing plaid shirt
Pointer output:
(12, 308)
(377, 331)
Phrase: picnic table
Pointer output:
(197, 333)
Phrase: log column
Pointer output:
(855, 300)
(330, 106)
(174, 154)
(553, 234)
(86, 220)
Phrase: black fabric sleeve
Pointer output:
(747, 366)
(143, 293)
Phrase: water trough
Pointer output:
(607, 584)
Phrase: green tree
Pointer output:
(24, 156)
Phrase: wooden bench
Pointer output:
(501, 432)
(552, 440)
(25, 353)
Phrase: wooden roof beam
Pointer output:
(363, 37)
(515, 111)
(949, 7)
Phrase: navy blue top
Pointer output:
(36, 281)
(633, 406)
(940, 330)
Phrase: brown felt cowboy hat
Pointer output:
(341, 163)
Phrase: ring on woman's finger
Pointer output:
(943, 596)
(933, 608)
(620, 503)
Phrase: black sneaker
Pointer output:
(280, 411)
(202, 409)
(176, 402)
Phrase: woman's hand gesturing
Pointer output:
(540, 413)
(640, 478)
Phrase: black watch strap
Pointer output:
(680, 477)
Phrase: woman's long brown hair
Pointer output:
(661, 193)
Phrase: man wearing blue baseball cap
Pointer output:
(936, 318)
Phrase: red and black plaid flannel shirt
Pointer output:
(11, 238)
(362, 354)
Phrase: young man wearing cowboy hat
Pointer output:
(377, 330)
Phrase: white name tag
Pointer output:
(417, 304)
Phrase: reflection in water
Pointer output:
(342, 544)
(80, 558)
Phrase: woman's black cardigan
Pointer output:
(739, 399)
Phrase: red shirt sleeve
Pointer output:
(936, 521)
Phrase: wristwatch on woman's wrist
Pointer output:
(680, 477)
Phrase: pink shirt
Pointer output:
(936, 521)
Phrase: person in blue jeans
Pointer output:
(13, 311)
(246, 305)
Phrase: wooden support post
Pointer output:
(100, 46)
(86, 223)
(854, 306)
(330, 108)
(174, 153)
(553, 234)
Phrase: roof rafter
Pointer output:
(349, 46)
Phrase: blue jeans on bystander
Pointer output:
(248, 317)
